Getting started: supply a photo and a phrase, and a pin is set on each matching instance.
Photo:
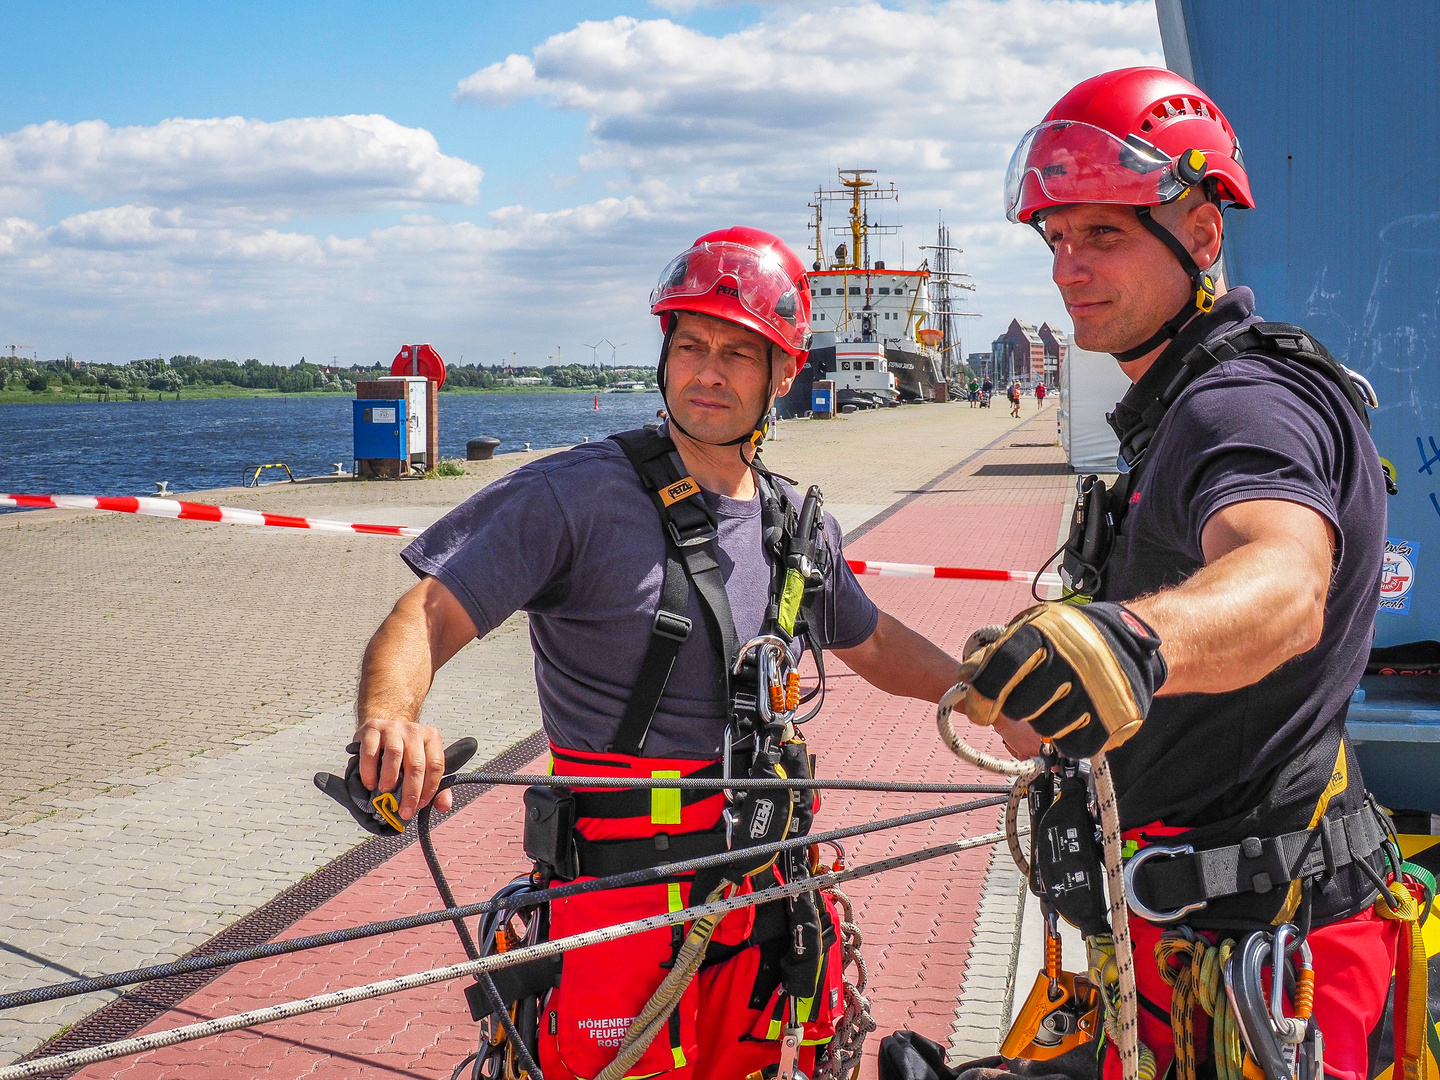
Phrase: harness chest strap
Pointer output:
(690, 533)
(1268, 339)
(1137, 418)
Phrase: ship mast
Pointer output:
(942, 280)
(859, 192)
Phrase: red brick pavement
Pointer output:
(917, 923)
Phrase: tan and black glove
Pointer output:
(1082, 677)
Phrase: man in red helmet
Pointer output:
(1234, 575)
(650, 564)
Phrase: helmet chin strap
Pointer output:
(1202, 287)
(756, 436)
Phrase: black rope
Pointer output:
(485, 979)
(687, 783)
(74, 988)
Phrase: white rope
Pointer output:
(1128, 1040)
(1024, 772)
(156, 1040)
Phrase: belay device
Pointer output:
(1062, 1010)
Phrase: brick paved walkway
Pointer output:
(168, 724)
(1001, 509)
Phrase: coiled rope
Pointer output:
(1121, 1024)
(1194, 970)
(487, 964)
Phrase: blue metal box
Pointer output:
(820, 401)
(381, 428)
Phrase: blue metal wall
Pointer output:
(1337, 106)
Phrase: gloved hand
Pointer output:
(1082, 676)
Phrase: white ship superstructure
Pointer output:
(877, 329)
(867, 315)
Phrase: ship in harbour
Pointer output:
(883, 335)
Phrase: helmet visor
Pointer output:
(1064, 162)
(726, 273)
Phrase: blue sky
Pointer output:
(517, 174)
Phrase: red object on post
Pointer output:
(419, 360)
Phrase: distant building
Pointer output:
(1057, 344)
(1019, 354)
(980, 363)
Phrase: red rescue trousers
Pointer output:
(1353, 960)
(729, 1021)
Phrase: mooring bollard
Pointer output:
(481, 449)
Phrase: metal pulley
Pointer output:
(1061, 1012)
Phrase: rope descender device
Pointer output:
(1122, 1025)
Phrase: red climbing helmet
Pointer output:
(1135, 137)
(745, 275)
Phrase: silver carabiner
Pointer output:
(754, 643)
(1289, 1029)
(1138, 906)
(771, 652)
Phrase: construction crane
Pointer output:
(12, 349)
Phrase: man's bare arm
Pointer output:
(424, 630)
(899, 661)
(1258, 602)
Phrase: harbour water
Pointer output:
(123, 448)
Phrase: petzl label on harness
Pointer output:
(681, 489)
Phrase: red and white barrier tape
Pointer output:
(958, 573)
(189, 511)
(180, 510)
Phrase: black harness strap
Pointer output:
(690, 533)
(1136, 419)
(1259, 864)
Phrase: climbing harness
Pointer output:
(1099, 510)
(586, 833)
(581, 830)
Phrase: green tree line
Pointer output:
(179, 372)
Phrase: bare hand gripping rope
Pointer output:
(1127, 1039)
(487, 964)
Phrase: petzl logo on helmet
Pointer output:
(726, 290)
(681, 489)
(760, 823)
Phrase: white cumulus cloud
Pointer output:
(743, 126)
(252, 166)
(187, 234)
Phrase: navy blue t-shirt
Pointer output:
(575, 540)
(1256, 427)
